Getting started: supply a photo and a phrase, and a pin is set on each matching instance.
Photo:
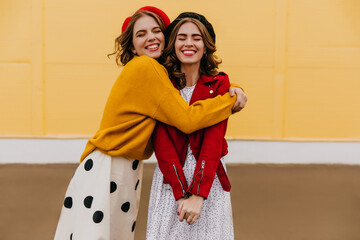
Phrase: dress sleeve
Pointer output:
(168, 160)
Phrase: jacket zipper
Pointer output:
(177, 175)
(201, 169)
(202, 174)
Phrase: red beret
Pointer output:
(164, 18)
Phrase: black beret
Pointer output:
(196, 16)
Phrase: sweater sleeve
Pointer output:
(168, 160)
(174, 111)
(151, 93)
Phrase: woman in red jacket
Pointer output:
(190, 180)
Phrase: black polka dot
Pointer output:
(88, 201)
(68, 202)
(137, 184)
(71, 237)
(113, 187)
(133, 226)
(125, 207)
(98, 216)
(135, 164)
(88, 165)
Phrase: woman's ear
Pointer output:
(133, 50)
(205, 54)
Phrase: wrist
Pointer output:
(197, 197)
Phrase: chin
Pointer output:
(189, 62)
(155, 55)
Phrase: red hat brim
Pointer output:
(161, 14)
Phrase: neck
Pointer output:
(192, 73)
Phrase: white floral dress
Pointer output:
(215, 220)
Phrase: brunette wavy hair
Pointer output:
(209, 62)
(123, 43)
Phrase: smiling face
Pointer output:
(148, 39)
(189, 45)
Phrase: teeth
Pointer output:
(189, 52)
(153, 46)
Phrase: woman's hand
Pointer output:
(190, 209)
(179, 203)
(241, 98)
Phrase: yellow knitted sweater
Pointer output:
(142, 95)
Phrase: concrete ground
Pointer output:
(270, 202)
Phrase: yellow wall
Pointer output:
(299, 61)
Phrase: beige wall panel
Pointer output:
(15, 99)
(245, 38)
(74, 104)
(324, 33)
(322, 104)
(255, 121)
(15, 30)
(291, 56)
(77, 31)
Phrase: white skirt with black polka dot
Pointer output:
(102, 199)
(215, 220)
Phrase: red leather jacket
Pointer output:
(208, 146)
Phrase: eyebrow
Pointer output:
(193, 35)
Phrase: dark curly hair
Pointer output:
(209, 62)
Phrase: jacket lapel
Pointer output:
(203, 86)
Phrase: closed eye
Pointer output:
(140, 33)
(156, 30)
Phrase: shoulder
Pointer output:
(223, 80)
(220, 79)
(222, 76)
(145, 65)
(143, 62)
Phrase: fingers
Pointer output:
(190, 218)
(241, 100)
(190, 209)
(180, 206)
(194, 219)
(236, 107)
(232, 91)
(182, 215)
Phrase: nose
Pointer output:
(188, 42)
(151, 36)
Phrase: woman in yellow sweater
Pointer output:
(102, 199)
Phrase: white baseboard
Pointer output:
(45, 151)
